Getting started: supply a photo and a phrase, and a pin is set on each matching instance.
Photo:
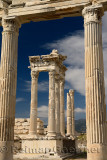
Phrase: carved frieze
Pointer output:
(51, 62)
(40, 64)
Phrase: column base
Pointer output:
(30, 136)
(70, 136)
(51, 134)
(63, 135)
(6, 150)
(58, 135)
(97, 152)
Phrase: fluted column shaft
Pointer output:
(62, 110)
(51, 118)
(57, 103)
(8, 86)
(34, 99)
(71, 92)
(69, 115)
(94, 79)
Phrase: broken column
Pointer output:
(69, 116)
(71, 93)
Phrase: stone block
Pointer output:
(25, 124)
(15, 2)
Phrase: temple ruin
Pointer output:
(53, 64)
(13, 13)
(54, 142)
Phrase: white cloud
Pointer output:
(76, 78)
(19, 100)
(43, 111)
(42, 86)
(73, 47)
(80, 110)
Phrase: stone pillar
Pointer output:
(33, 112)
(69, 116)
(71, 92)
(57, 104)
(8, 86)
(51, 118)
(62, 110)
(94, 79)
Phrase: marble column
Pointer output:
(57, 104)
(62, 110)
(71, 92)
(8, 86)
(94, 81)
(34, 97)
(51, 118)
(69, 116)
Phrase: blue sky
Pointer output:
(39, 38)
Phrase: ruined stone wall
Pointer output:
(22, 126)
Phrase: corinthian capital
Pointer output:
(62, 80)
(71, 92)
(34, 75)
(93, 13)
(57, 77)
(11, 25)
(51, 73)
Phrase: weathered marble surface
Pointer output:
(14, 2)
(94, 84)
(37, 10)
(11, 17)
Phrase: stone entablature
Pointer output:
(28, 2)
(47, 63)
(18, 2)
(38, 10)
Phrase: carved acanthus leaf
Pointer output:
(93, 13)
(34, 75)
(11, 25)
